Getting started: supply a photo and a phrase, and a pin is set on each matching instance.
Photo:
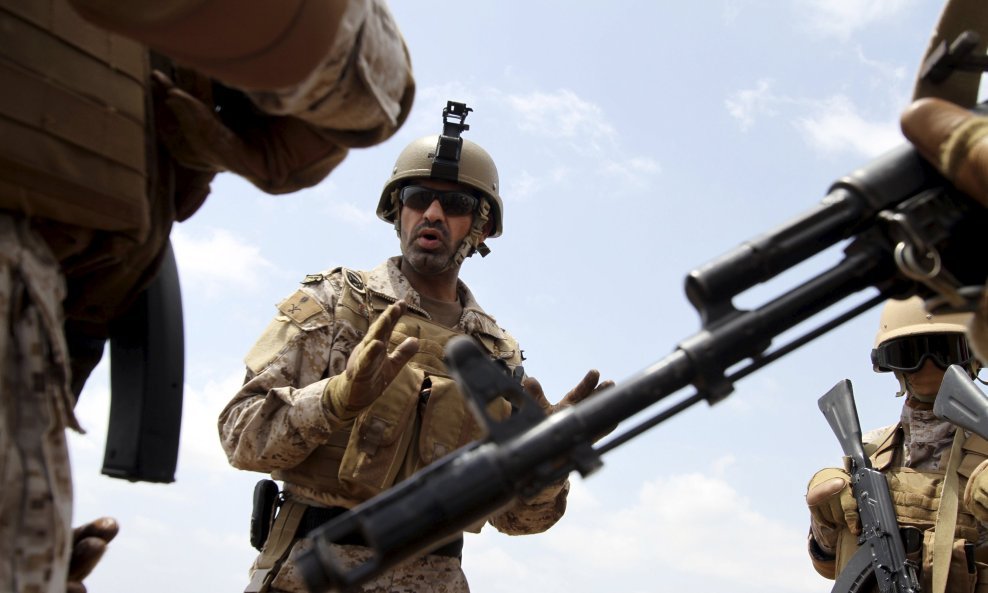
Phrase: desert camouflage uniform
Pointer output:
(96, 236)
(277, 420)
(920, 443)
(35, 409)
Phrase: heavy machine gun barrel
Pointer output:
(898, 212)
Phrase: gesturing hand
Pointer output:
(370, 368)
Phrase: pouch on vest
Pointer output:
(380, 437)
(963, 573)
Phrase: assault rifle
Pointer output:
(882, 556)
(909, 232)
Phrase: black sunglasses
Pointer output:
(454, 203)
(908, 354)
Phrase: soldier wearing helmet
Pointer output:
(927, 460)
(347, 392)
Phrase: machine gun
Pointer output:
(910, 232)
(882, 558)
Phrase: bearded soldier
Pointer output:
(347, 392)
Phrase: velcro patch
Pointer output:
(300, 306)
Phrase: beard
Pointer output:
(428, 262)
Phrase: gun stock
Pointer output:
(841, 412)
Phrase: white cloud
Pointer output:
(351, 214)
(218, 263)
(635, 171)
(200, 444)
(841, 18)
(562, 114)
(829, 125)
(691, 528)
(746, 104)
(837, 126)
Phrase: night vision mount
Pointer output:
(446, 164)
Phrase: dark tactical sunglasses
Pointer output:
(454, 203)
(908, 354)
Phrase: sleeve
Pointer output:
(545, 509)
(534, 515)
(363, 89)
(277, 418)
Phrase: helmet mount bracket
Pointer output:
(446, 162)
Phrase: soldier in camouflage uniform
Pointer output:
(927, 460)
(105, 144)
(346, 391)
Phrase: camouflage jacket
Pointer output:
(277, 420)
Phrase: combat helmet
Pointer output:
(908, 334)
(449, 157)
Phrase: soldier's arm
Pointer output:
(278, 417)
(533, 515)
(542, 511)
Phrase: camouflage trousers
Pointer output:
(429, 574)
(35, 407)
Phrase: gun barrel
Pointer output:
(848, 208)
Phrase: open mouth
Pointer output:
(429, 238)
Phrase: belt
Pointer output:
(315, 517)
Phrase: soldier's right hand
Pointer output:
(832, 506)
(370, 368)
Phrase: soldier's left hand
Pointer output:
(585, 388)
(88, 545)
(953, 139)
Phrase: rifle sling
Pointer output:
(946, 523)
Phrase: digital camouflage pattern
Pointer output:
(278, 420)
(35, 409)
(429, 574)
(926, 439)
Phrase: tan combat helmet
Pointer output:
(449, 157)
(908, 334)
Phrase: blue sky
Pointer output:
(635, 142)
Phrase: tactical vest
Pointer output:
(420, 417)
(73, 118)
(916, 496)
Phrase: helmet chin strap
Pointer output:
(472, 242)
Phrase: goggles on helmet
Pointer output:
(907, 354)
(454, 203)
